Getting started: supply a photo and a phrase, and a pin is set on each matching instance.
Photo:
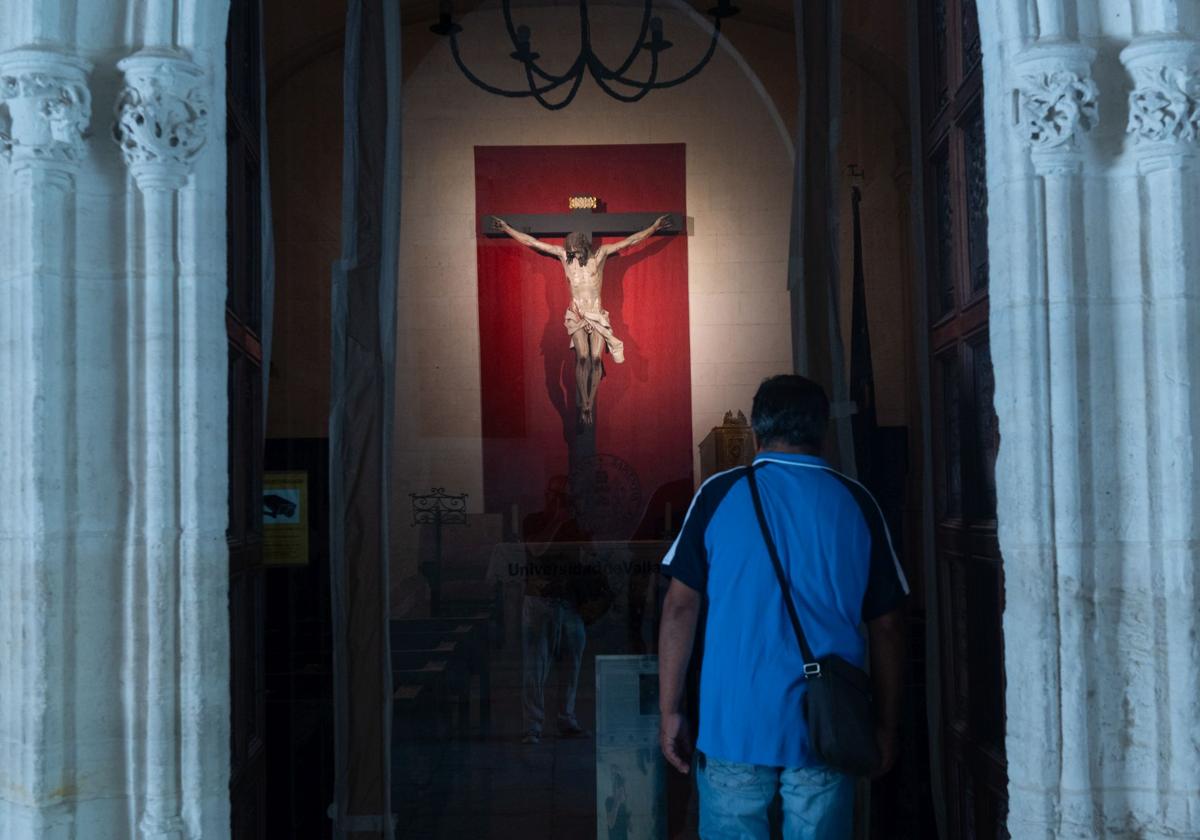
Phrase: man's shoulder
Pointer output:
(854, 492)
(712, 508)
(713, 491)
(821, 480)
(845, 503)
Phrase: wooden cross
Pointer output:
(582, 217)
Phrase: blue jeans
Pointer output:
(549, 625)
(818, 803)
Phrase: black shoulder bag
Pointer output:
(841, 722)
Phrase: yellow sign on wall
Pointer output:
(285, 518)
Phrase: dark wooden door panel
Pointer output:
(970, 572)
(243, 317)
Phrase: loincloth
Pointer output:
(594, 322)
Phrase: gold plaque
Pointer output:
(583, 202)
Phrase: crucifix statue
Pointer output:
(587, 323)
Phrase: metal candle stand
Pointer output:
(437, 508)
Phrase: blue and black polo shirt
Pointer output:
(837, 555)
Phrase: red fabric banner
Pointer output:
(643, 432)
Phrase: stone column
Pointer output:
(1163, 658)
(45, 109)
(161, 121)
(1057, 105)
(1093, 322)
(114, 695)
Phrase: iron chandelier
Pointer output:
(613, 81)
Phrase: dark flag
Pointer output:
(862, 374)
(814, 271)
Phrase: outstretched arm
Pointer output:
(527, 240)
(642, 235)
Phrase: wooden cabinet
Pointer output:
(727, 446)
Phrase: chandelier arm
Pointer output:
(691, 74)
(608, 79)
(555, 106)
(585, 27)
(533, 67)
(506, 6)
(482, 85)
(643, 87)
(638, 45)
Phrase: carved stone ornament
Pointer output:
(1164, 106)
(1054, 107)
(45, 108)
(161, 117)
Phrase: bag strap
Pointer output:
(811, 667)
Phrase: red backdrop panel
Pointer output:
(528, 388)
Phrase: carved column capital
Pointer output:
(1164, 105)
(161, 117)
(45, 109)
(1055, 101)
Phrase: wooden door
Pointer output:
(965, 436)
(243, 320)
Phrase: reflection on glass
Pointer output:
(528, 704)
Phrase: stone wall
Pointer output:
(114, 652)
(1091, 122)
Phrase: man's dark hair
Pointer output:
(790, 410)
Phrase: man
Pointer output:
(838, 559)
(587, 322)
(550, 620)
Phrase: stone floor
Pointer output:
(493, 786)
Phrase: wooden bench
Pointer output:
(457, 671)
(410, 706)
(462, 636)
(416, 753)
(430, 676)
(471, 632)
(433, 644)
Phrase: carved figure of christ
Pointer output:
(586, 321)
